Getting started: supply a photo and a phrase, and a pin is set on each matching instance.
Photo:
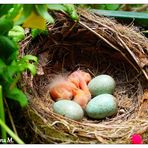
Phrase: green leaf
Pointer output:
(17, 95)
(9, 72)
(13, 12)
(122, 14)
(42, 10)
(32, 68)
(4, 8)
(17, 33)
(19, 66)
(30, 58)
(5, 26)
(70, 9)
(139, 17)
(7, 47)
(100, 6)
(36, 32)
(24, 64)
(58, 7)
(112, 6)
(27, 9)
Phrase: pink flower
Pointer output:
(136, 139)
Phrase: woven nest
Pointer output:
(97, 45)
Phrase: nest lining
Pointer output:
(70, 46)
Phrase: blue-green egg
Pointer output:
(102, 106)
(102, 84)
(69, 109)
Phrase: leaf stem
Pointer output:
(11, 133)
(2, 114)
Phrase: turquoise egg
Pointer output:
(102, 84)
(69, 109)
(102, 106)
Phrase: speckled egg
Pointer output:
(69, 109)
(102, 84)
(102, 106)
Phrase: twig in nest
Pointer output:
(68, 32)
(108, 43)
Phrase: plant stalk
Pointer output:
(11, 133)
(2, 114)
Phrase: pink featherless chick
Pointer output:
(61, 88)
(82, 94)
(77, 75)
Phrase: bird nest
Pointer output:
(97, 45)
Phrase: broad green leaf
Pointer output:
(35, 21)
(30, 58)
(24, 66)
(42, 10)
(32, 68)
(19, 66)
(70, 9)
(13, 12)
(17, 95)
(58, 7)
(17, 33)
(9, 72)
(36, 32)
(4, 8)
(5, 26)
(7, 47)
(22, 16)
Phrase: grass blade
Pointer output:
(2, 114)
(11, 133)
(139, 17)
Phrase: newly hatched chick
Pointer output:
(77, 75)
(72, 87)
(61, 88)
(82, 95)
